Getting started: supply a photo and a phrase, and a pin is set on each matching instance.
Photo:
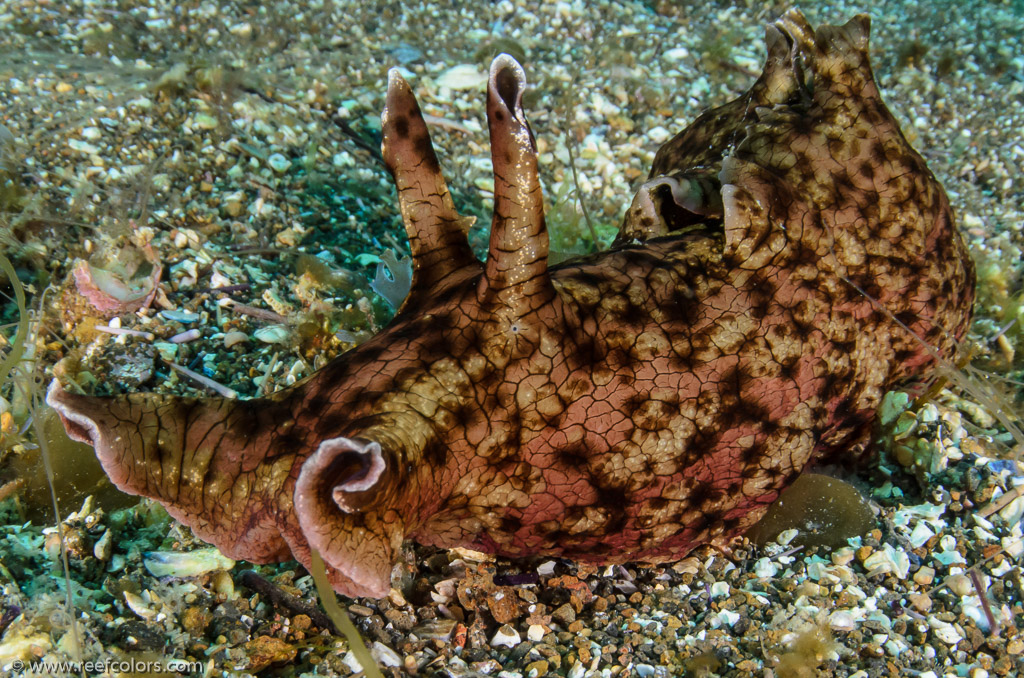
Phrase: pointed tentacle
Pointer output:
(682, 188)
(437, 233)
(516, 278)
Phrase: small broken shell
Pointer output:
(506, 636)
(142, 605)
(104, 547)
(113, 292)
(235, 337)
(190, 564)
(272, 334)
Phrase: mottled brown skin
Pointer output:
(629, 405)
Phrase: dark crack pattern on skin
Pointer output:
(629, 405)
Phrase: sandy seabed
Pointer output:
(202, 132)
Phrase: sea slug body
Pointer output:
(789, 259)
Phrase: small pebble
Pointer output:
(808, 588)
(223, 584)
(564, 614)
(537, 668)
(396, 598)
(104, 546)
(180, 316)
(658, 135)
(924, 575)
(843, 556)
(959, 584)
(360, 610)
(234, 338)
(279, 163)
(205, 121)
(921, 602)
(183, 337)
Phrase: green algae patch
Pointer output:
(824, 510)
(76, 474)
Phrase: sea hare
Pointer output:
(790, 259)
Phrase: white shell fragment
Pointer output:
(842, 620)
(506, 636)
(973, 609)
(948, 555)
(383, 655)
(140, 606)
(279, 163)
(272, 334)
(104, 546)
(546, 569)
(180, 316)
(463, 76)
(945, 631)
(83, 147)
(724, 618)
(719, 589)
(920, 535)
(960, 584)
(888, 560)
(223, 583)
(440, 629)
(765, 568)
(190, 564)
(1013, 512)
(786, 536)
